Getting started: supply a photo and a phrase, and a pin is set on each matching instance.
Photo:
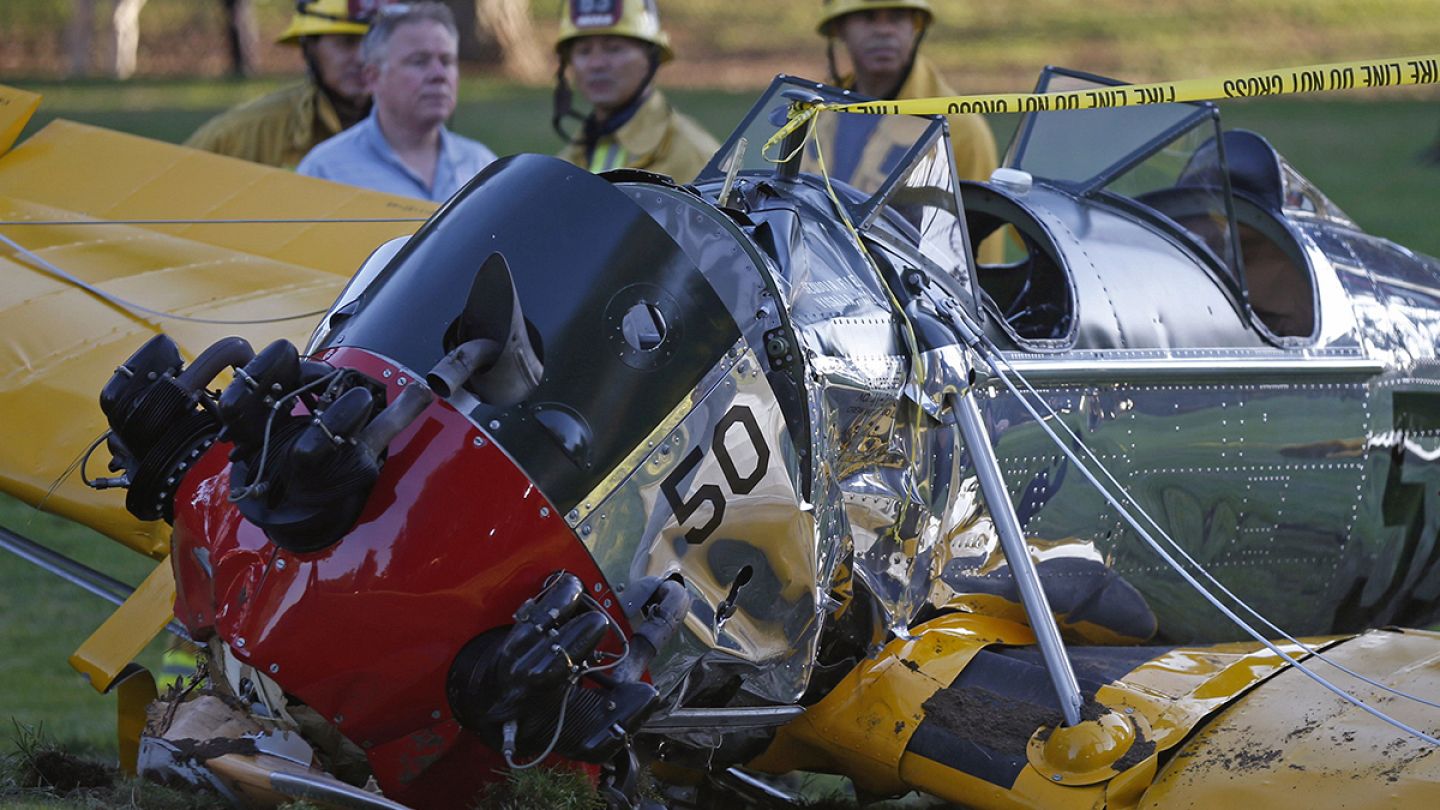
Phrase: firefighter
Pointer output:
(281, 128)
(882, 40)
(614, 48)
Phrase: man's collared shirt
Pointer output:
(360, 156)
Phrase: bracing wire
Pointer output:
(40, 262)
(1100, 465)
(1042, 422)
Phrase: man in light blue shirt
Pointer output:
(403, 147)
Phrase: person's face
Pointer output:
(878, 41)
(609, 70)
(337, 59)
(415, 81)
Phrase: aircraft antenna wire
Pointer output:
(1176, 545)
(1178, 568)
(37, 261)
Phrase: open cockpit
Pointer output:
(1132, 228)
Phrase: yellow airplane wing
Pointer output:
(16, 107)
(88, 216)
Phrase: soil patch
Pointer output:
(996, 721)
(64, 772)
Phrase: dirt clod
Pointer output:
(65, 772)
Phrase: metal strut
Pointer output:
(76, 573)
(1012, 541)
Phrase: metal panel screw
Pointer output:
(544, 511)
(479, 441)
(387, 372)
(240, 642)
(435, 715)
(274, 668)
(280, 564)
(494, 424)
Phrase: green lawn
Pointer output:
(44, 620)
(1360, 152)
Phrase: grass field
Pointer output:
(1360, 152)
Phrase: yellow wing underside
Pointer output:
(59, 343)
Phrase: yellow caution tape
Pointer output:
(1288, 81)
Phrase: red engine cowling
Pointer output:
(452, 540)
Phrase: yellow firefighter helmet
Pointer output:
(637, 19)
(832, 10)
(318, 17)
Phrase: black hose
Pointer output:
(231, 351)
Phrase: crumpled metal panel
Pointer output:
(886, 473)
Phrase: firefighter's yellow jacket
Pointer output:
(970, 138)
(657, 139)
(276, 129)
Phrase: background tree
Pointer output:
(79, 37)
(126, 20)
(240, 35)
(501, 34)
(521, 56)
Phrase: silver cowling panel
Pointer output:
(633, 534)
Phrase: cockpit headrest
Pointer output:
(1252, 163)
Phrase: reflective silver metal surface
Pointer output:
(1287, 444)
(765, 540)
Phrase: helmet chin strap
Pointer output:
(565, 96)
(562, 104)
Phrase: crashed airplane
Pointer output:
(765, 474)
